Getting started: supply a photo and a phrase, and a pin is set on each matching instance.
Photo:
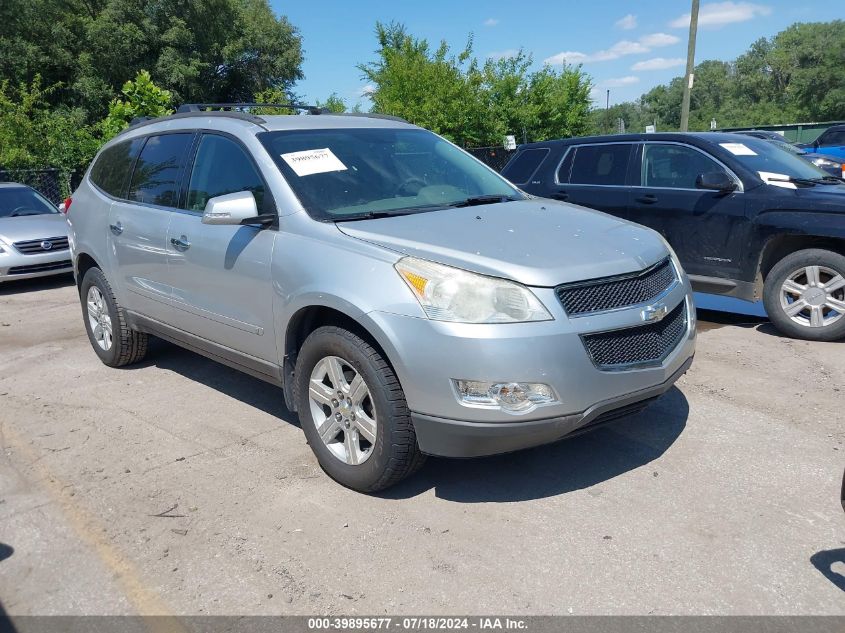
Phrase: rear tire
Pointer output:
(105, 322)
(364, 440)
(804, 295)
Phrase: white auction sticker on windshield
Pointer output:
(313, 161)
(778, 180)
(738, 149)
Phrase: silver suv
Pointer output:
(406, 298)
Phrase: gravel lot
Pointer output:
(181, 486)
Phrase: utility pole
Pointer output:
(693, 28)
(607, 103)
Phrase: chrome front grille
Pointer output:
(639, 346)
(612, 293)
(41, 246)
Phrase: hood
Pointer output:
(534, 242)
(821, 198)
(33, 227)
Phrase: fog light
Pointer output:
(509, 396)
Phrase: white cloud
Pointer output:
(508, 52)
(367, 90)
(491, 22)
(659, 63)
(618, 82)
(622, 48)
(717, 14)
(656, 40)
(627, 23)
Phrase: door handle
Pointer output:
(647, 199)
(181, 243)
(117, 229)
(560, 195)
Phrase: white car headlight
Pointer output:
(451, 294)
(825, 163)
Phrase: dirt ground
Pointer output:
(179, 486)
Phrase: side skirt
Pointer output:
(728, 287)
(251, 365)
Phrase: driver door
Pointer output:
(220, 275)
(707, 229)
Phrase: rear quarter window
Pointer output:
(523, 166)
(600, 164)
(111, 170)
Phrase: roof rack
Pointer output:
(371, 115)
(200, 107)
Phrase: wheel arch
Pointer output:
(84, 262)
(779, 246)
(308, 318)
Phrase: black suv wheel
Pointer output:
(805, 295)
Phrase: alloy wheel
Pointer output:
(814, 296)
(342, 409)
(98, 318)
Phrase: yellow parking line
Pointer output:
(145, 602)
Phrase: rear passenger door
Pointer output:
(595, 176)
(220, 275)
(832, 143)
(707, 229)
(138, 224)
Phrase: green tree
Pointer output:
(34, 134)
(473, 104)
(199, 50)
(142, 98)
(333, 103)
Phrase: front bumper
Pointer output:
(14, 265)
(456, 438)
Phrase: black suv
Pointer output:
(746, 218)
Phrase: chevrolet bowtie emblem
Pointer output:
(654, 313)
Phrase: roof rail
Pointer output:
(370, 115)
(199, 107)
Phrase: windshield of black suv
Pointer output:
(17, 201)
(772, 162)
(353, 173)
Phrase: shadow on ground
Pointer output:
(6, 551)
(231, 382)
(573, 464)
(547, 471)
(20, 286)
(824, 562)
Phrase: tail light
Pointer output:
(64, 207)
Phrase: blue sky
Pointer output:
(626, 46)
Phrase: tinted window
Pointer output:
(675, 166)
(600, 164)
(111, 171)
(525, 164)
(155, 179)
(346, 173)
(833, 138)
(19, 201)
(222, 166)
(565, 169)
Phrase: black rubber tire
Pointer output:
(396, 454)
(778, 275)
(128, 345)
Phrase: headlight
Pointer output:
(452, 294)
(825, 163)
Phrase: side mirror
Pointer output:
(715, 181)
(231, 209)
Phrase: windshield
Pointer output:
(349, 173)
(789, 148)
(768, 160)
(17, 201)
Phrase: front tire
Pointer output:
(105, 322)
(353, 411)
(804, 295)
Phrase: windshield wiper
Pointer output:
(827, 180)
(487, 199)
(393, 213)
(811, 182)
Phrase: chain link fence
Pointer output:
(495, 157)
(54, 184)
